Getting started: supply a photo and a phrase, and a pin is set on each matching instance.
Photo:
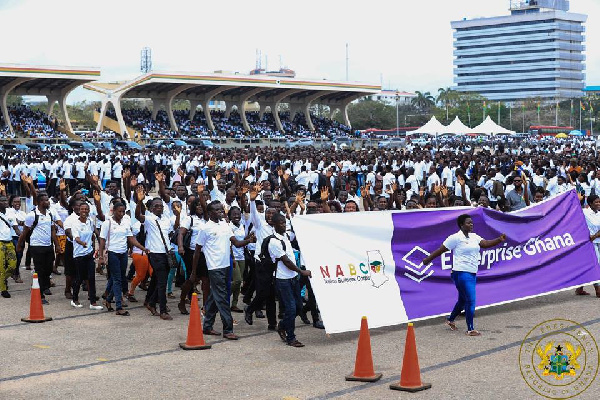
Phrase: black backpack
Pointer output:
(264, 256)
(141, 236)
(187, 238)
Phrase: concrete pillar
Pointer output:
(99, 126)
(51, 102)
(117, 105)
(275, 108)
(332, 111)
(172, 122)
(261, 110)
(205, 105)
(193, 106)
(156, 106)
(228, 107)
(62, 103)
(309, 123)
(4, 92)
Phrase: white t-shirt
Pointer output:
(592, 220)
(83, 231)
(42, 232)
(119, 232)
(198, 225)
(276, 251)
(240, 233)
(154, 241)
(215, 240)
(6, 228)
(465, 251)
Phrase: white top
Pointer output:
(119, 232)
(592, 219)
(197, 226)
(240, 233)
(83, 231)
(136, 227)
(276, 251)
(261, 228)
(6, 227)
(154, 242)
(17, 216)
(215, 240)
(465, 251)
(42, 232)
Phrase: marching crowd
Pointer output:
(221, 223)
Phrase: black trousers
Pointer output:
(249, 277)
(84, 268)
(157, 290)
(312, 301)
(43, 261)
(265, 293)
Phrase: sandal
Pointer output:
(122, 312)
(473, 333)
(452, 325)
(581, 292)
(108, 306)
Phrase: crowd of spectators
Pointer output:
(30, 123)
(229, 126)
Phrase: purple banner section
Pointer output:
(547, 249)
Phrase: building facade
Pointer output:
(535, 52)
(391, 97)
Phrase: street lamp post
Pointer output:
(397, 114)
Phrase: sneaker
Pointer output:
(96, 307)
(76, 305)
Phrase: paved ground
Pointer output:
(96, 355)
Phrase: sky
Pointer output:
(405, 45)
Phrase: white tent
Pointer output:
(432, 127)
(489, 127)
(457, 127)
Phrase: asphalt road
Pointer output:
(98, 355)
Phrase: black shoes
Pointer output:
(318, 325)
(5, 294)
(259, 314)
(247, 316)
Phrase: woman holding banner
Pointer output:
(465, 245)
(592, 219)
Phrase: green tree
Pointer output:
(424, 101)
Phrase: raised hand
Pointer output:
(363, 192)
(160, 177)
(300, 197)
(126, 173)
(140, 193)
(444, 191)
(62, 185)
(177, 208)
(180, 172)
(97, 196)
(324, 193)
(254, 192)
(212, 163)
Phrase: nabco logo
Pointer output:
(373, 270)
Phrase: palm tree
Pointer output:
(445, 97)
(423, 101)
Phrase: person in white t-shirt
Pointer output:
(592, 220)
(465, 245)
(282, 254)
(215, 242)
(83, 232)
(115, 236)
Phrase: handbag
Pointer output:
(171, 259)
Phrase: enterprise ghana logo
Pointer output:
(373, 271)
(559, 359)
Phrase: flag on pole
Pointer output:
(468, 108)
(484, 105)
(538, 107)
(582, 105)
(572, 110)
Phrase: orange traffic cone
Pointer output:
(195, 338)
(410, 377)
(36, 311)
(363, 367)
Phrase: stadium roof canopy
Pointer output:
(235, 90)
(55, 83)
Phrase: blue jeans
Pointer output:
(218, 301)
(289, 295)
(465, 284)
(117, 265)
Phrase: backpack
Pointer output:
(265, 258)
(35, 223)
(187, 238)
(141, 236)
